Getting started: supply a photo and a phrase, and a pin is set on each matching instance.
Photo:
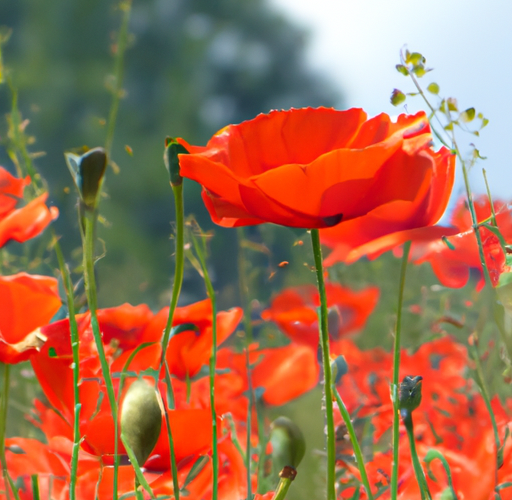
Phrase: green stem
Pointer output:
(213, 362)
(178, 265)
(282, 488)
(3, 424)
(246, 304)
(170, 404)
(418, 470)
(68, 286)
(122, 42)
(396, 371)
(90, 289)
(485, 394)
(355, 444)
(326, 362)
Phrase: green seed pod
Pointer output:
(288, 444)
(410, 394)
(141, 419)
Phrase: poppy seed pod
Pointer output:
(141, 419)
(410, 394)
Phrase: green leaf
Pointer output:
(397, 97)
(433, 88)
(468, 115)
(485, 121)
(402, 69)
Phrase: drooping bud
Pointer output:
(172, 149)
(288, 444)
(87, 171)
(141, 419)
(339, 367)
(410, 394)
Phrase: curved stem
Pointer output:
(326, 362)
(418, 470)
(178, 265)
(90, 289)
(355, 444)
(396, 372)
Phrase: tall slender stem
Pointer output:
(246, 304)
(179, 261)
(90, 289)
(8, 482)
(355, 444)
(396, 371)
(326, 362)
(213, 362)
(68, 286)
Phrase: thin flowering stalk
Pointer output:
(479, 376)
(117, 90)
(213, 362)
(171, 162)
(326, 362)
(469, 195)
(396, 371)
(68, 286)
(355, 443)
(90, 289)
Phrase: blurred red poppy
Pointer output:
(26, 302)
(26, 222)
(452, 260)
(314, 168)
(294, 310)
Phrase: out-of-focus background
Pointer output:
(194, 66)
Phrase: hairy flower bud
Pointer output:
(141, 419)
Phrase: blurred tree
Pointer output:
(193, 66)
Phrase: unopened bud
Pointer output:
(141, 419)
(288, 444)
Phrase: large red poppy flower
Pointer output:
(313, 168)
(26, 302)
(294, 310)
(452, 261)
(26, 222)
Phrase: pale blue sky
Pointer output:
(467, 42)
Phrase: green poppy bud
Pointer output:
(288, 444)
(410, 394)
(141, 419)
(172, 150)
(87, 171)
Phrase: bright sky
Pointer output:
(467, 42)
